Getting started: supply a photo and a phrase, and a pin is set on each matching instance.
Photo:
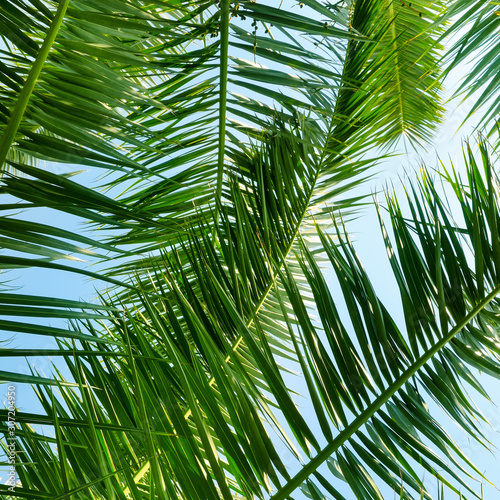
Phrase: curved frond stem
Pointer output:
(224, 55)
(392, 15)
(272, 284)
(332, 129)
(371, 410)
(29, 85)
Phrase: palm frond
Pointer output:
(178, 386)
(474, 32)
(190, 408)
(134, 91)
(393, 84)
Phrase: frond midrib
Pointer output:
(223, 76)
(377, 404)
(29, 85)
(392, 17)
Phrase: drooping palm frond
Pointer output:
(391, 82)
(147, 93)
(154, 128)
(178, 416)
(223, 172)
(474, 34)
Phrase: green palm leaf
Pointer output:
(394, 84)
(224, 130)
(111, 80)
(366, 385)
(477, 45)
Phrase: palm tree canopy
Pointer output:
(227, 138)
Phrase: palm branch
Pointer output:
(178, 103)
(222, 208)
(172, 416)
(475, 45)
(174, 169)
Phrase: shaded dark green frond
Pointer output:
(192, 406)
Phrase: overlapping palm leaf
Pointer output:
(392, 81)
(141, 92)
(176, 416)
(221, 181)
(147, 127)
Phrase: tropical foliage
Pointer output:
(223, 142)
